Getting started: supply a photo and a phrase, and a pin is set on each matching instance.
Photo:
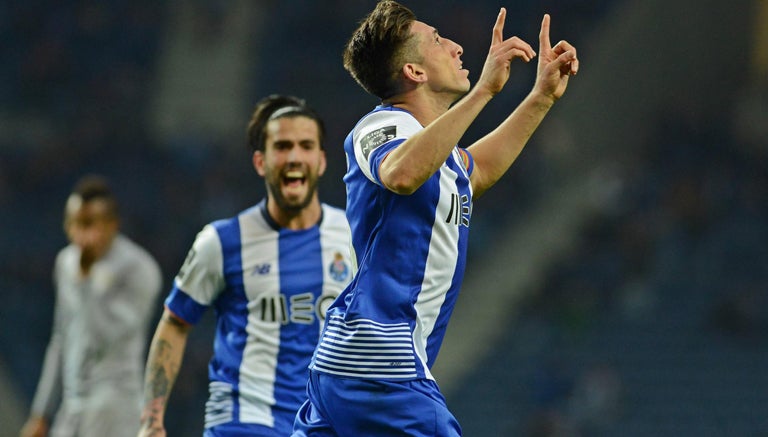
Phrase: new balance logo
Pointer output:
(261, 269)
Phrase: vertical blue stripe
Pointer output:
(301, 273)
(229, 342)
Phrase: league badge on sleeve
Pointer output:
(373, 140)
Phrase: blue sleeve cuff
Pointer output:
(184, 307)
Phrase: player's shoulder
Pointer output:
(386, 116)
(68, 255)
(228, 224)
(334, 216)
(223, 223)
(333, 212)
(130, 250)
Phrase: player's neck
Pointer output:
(423, 105)
(297, 219)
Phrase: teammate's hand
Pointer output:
(556, 64)
(497, 65)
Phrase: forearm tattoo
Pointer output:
(159, 381)
(163, 365)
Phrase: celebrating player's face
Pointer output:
(441, 60)
(292, 161)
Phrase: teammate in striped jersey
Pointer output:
(409, 200)
(270, 273)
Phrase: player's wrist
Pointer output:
(540, 99)
(481, 94)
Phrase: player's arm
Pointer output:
(163, 363)
(49, 387)
(408, 166)
(495, 153)
(48, 394)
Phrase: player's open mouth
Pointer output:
(294, 178)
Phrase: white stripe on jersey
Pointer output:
(441, 262)
(371, 349)
(257, 369)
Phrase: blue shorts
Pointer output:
(361, 407)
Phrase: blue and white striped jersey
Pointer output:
(390, 322)
(270, 288)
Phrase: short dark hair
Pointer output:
(92, 187)
(378, 48)
(277, 106)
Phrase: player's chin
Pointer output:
(463, 85)
(294, 196)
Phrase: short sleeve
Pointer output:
(200, 279)
(379, 133)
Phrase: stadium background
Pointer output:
(618, 276)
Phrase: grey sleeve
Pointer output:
(49, 387)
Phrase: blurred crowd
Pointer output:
(656, 323)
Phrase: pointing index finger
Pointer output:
(544, 42)
(498, 28)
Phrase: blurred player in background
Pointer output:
(270, 273)
(106, 290)
(410, 190)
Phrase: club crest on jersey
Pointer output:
(372, 140)
(338, 269)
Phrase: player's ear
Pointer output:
(258, 162)
(414, 72)
(323, 163)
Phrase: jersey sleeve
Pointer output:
(466, 160)
(200, 279)
(378, 134)
(49, 388)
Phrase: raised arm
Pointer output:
(495, 152)
(163, 363)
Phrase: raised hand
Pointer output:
(497, 65)
(556, 64)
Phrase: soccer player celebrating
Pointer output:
(270, 273)
(409, 200)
